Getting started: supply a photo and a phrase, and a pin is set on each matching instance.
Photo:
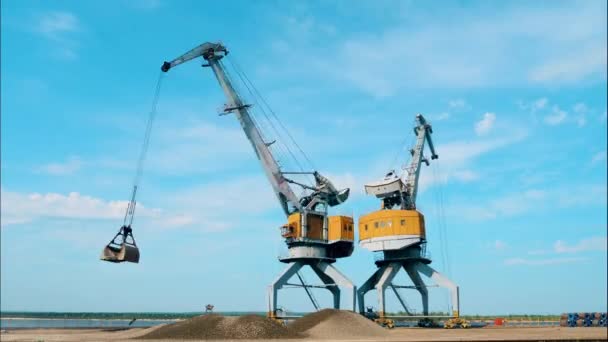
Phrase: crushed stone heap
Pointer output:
(337, 324)
(217, 327)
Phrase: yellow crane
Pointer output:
(397, 232)
(313, 238)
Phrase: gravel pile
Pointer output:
(216, 327)
(337, 324)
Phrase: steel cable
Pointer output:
(130, 213)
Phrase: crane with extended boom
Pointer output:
(397, 231)
(313, 238)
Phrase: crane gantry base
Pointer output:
(332, 279)
(382, 280)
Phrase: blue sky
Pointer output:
(516, 93)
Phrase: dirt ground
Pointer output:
(397, 334)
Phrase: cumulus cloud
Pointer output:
(484, 126)
(59, 28)
(573, 67)
(581, 113)
(458, 104)
(556, 117)
(540, 103)
(55, 23)
(599, 157)
(437, 52)
(519, 203)
(585, 245)
(22, 208)
(542, 262)
(441, 116)
(500, 245)
(70, 166)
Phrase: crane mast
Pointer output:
(235, 105)
(423, 132)
(213, 53)
(394, 190)
(322, 193)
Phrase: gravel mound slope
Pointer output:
(216, 327)
(337, 324)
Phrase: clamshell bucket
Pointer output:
(122, 247)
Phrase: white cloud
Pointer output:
(426, 52)
(519, 203)
(59, 27)
(580, 108)
(585, 245)
(455, 159)
(581, 120)
(69, 167)
(196, 147)
(572, 67)
(540, 103)
(458, 104)
(500, 245)
(441, 116)
(599, 157)
(203, 209)
(484, 126)
(542, 262)
(458, 153)
(558, 116)
(581, 195)
(465, 175)
(54, 24)
(23, 208)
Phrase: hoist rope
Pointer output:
(444, 228)
(243, 79)
(273, 114)
(279, 147)
(441, 224)
(255, 94)
(130, 213)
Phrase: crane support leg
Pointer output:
(331, 285)
(273, 289)
(338, 279)
(412, 271)
(369, 284)
(444, 282)
(384, 281)
(329, 275)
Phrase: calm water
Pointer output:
(45, 323)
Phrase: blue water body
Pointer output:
(42, 323)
